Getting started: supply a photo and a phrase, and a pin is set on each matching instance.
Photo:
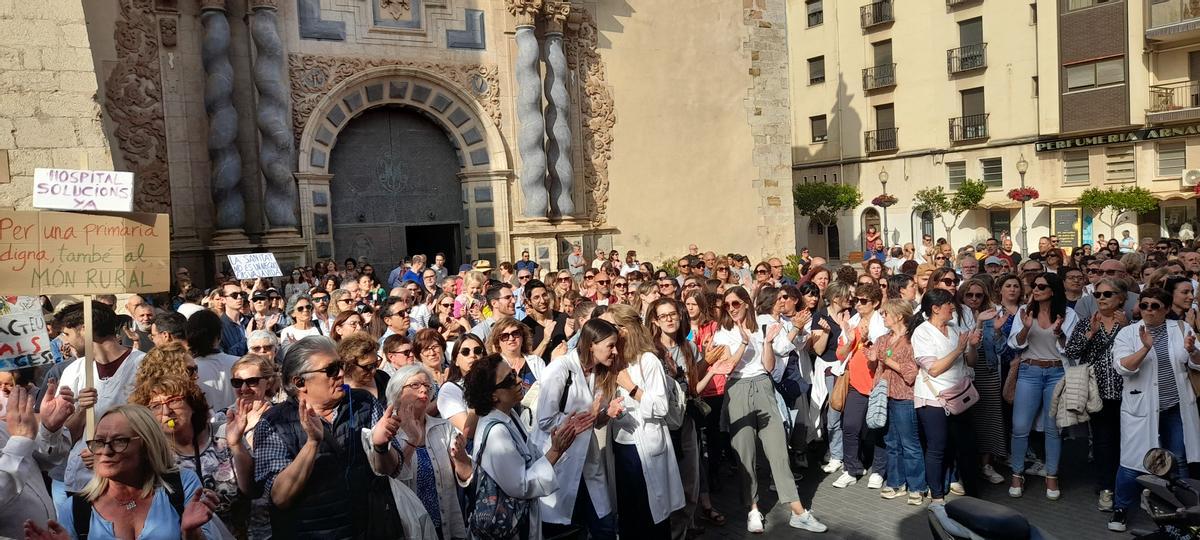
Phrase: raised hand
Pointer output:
(560, 350)
(235, 422)
(824, 324)
(198, 510)
(1189, 342)
(458, 453)
(86, 398)
(773, 332)
(801, 319)
(616, 407)
(1026, 318)
(88, 458)
(1120, 317)
(1058, 322)
(987, 315)
(1147, 339)
(21, 420)
(1000, 319)
(57, 406)
(974, 336)
(311, 422)
(386, 428)
(53, 531)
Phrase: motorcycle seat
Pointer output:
(988, 519)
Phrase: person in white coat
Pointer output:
(583, 381)
(502, 448)
(27, 447)
(1158, 407)
(648, 484)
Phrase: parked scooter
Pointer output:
(1173, 503)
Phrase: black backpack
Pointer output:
(81, 508)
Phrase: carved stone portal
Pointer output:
(596, 108)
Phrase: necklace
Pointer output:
(130, 505)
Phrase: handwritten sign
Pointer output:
(65, 253)
(23, 339)
(69, 189)
(254, 265)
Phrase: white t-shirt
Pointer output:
(750, 364)
(214, 371)
(928, 341)
(450, 400)
(292, 334)
(110, 393)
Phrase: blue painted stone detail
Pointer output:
(479, 157)
(388, 21)
(313, 27)
(336, 116)
(458, 117)
(484, 217)
(472, 136)
(375, 92)
(483, 194)
(472, 37)
(421, 93)
(353, 102)
(317, 158)
(440, 103)
(397, 90)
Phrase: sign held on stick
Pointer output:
(70, 189)
(254, 265)
(23, 339)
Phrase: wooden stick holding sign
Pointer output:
(89, 366)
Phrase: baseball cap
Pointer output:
(993, 260)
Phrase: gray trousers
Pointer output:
(689, 475)
(754, 417)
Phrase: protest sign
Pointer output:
(69, 189)
(65, 253)
(23, 338)
(254, 265)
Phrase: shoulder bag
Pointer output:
(956, 399)
(495, 515)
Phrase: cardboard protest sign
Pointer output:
(65, 253)
(254, 265)
(69, 189)
(23, 338)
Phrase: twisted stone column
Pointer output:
(274, 120)
(532, 127)
(558, 127)
(226, 161)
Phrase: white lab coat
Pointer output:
(23, 494)
(505, 460)
(1139, 397)
(584, 458)
(646, 421)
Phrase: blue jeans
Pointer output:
(833, 424)
(1170, 437)
(1035, 389)
(906, 462)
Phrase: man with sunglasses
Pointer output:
(503, 304)
(308, 450)
(233, 322)
(395, 313)
(1112, 268)
(603, 292)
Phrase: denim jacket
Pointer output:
(995, 347)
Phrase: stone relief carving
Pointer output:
(524, 10)
(168, 31)
(396, 9)
(133, 100)
(596, 106)
(313, 76)
(275, 153)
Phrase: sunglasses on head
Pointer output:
(1104, 294)
(1150, 306)
(252, 381)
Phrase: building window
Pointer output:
(1073, 5)
(1119, 164)
(1075, 167)
(1033, 14)
(1171, 160)
(956, 172)
(1096, 74)
(816, 70)
(820, 131)
(816, 14)
(993, 172)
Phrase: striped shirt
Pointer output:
(1168, 391)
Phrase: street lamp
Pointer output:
(883, 178)
(1022, 168)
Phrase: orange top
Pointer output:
(860, 370)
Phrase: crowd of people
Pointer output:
(606, 399)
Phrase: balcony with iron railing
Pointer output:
(881, 76)
(1176, 101)
(876, 13)
(966, 58)
(969, 128)
(881, 140)
(1172, 20)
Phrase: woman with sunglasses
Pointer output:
(1158, 406)
(442, 317)
(947, 280)
(859, 332)
(826, 332)
(346, 323)
(753, 412)
(1183, 296)
(1040, 334)
(450, 402)
(1054, 261)
(988, 414)
(511, 339)
(943, 353)
(1092, 343)
(201, 442)
(762, 276)
(300, 307)
(360, 353)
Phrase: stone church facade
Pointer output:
(327, 129)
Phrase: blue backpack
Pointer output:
(495, 515)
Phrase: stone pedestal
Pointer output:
(549, 241)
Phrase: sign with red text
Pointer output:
(23, 339)
(69, 189)
(65, 253)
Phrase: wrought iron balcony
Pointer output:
(966, 58)
(969, 128)
(876, 13)
(1176, 101)
(880, 140)
(881, 76)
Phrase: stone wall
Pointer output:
(49, 116)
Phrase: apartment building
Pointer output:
(1079, 93)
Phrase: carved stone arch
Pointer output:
(478, 141)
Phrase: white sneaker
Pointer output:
(957, 489)
(807, 521)
(754, 522)
(991, 475)
(833, 466)
(1037, 468)
(846, 479)
(875, 481)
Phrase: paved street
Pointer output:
(859, 513)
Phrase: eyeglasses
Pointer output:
(974, 296)
(1150, 306)
(252, 381)
(862, 300)
(508, 382)
(447, 305)
(235, 295)
(666, 284)
(331, 371)
(402, 352)
(116, 444)
(470, 351)
(419, 385)
(165, 402)
(593, 276)
(784, 297)
(1104, 294)
(685, 265)
(762, 271)
(620, 284)
(508, 336)
(776, 266)
(346, 300)
(563, 279)
(1113, 272)
(722, 269)
(369, 366)
(735, 304)
(691, 285)
(524, 278)
(949, 281)
(400, 313)
(669, 316)
(262, 348)
(322, 299)
(305, 307)
(1041, 286)
(604, 281)
(1093, 271)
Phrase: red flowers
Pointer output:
(884, 201)
(1023, 194)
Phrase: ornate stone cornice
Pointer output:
(555, 13)
(218, 5)
(263, 4)
(524, 10)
